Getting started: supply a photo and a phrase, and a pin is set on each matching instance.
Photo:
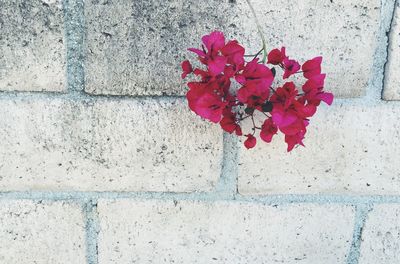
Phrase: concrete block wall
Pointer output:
(101, 162)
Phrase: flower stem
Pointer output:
(254, 55)
(264, 45)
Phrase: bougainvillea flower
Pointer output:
(210, 57)
(294, 128)
(291, 67)
(213, 97)
(257, 74)
(187, 68)
(268, 130)
(315, 82)
(325, 97)
(285, 95)
(234, 54)
(312, 67)
(288, 112)
(214, 42)
(229, 124)
(250, 142)
(304, 110)
(216, 65)
(204, 102)
(315, 97)
(256, 79)
(283, 117)
(313, 92)
(293, 140)
(277, 56)
(253, 95)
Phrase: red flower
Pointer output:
(312, 67)
(288, 114)
(285, 95)
(268, 130)
(228, 123)
(204, 102)
(250, 142)
(187, 68)
(214, 43)
(313, 92)
(282, 117)
(276, 56)
(293, 140)
(212, 97)
(291, 67)
(256, 79)
(234, 54)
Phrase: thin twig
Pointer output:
(264, 45)
(255, 55)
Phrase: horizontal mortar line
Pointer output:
(203, 196)
(79, 95)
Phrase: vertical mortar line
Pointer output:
(92, 230)
(227, 184)
(386, 23)
(74, 22)
(361, 214)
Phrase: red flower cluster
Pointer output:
(212, 95)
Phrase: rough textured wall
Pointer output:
(101, 161)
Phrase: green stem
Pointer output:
(264, 45)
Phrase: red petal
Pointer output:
(197, 51)
(250, 142)
(312, 67)
(187, 68)
(326, 97)
(214, 42)
(276, 56)
(217, 65)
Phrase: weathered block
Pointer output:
(342, 31)
(381, 236)
(136, 47)
(350, 148)
(32, 45)
(391, 90)
(41, 232)
(222, 232)
(106, 145)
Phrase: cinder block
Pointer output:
(342, 31)
(381, 236)
(32, 46)
(222, 232)
(391, 90)
(136, 47)
(41, 232)
(107, 145)
(351, 148)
